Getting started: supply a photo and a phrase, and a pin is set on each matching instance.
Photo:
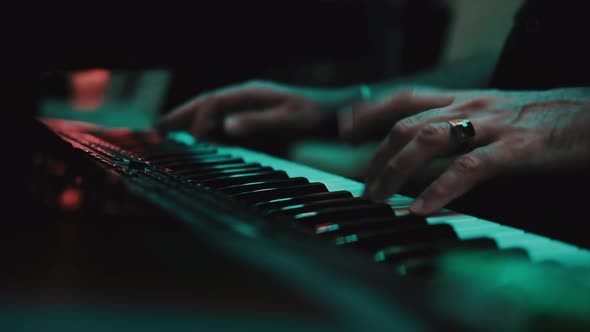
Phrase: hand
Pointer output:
(365, 121)
(256, 107)
(515, 132)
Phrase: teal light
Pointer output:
(347, 239)
(291, 207)
(305, 215)
(182, 137)
(379, 256)
(280, 200)
(464, 124)
(365, 92)
(327, 228)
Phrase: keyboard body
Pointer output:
(220, 253)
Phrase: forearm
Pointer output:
(577, 93)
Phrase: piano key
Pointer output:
(264, 195)
(199, 168)
(343, 213)
(396, 254)
(468, 227)
(518, 253)
(315, 206)
(219, 167)
(415, 267)
(212, 160)
(200, 175)
(380, 223)
(249, 176)
(250, 187)
(192, 157)
(331, 181)
(167, 154)
(375, 240)
(179, 156)
(317, 197)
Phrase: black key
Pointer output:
(281, 202)
(265, 195)
(177, 165)
(344, 213)
(249, 187)
(187, 170)
(375, 240)
(379, 223)
(183, 157)
(416, 267)
(518, 253)
(188, 157)
(315, 206)
(167, 154)
(199, 175)
(218, 168)
(250, 176)
(397, 254)
(426, 266)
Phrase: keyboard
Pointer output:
(298, 213)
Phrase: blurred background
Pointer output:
(128, 78)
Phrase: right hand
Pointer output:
(255, 108)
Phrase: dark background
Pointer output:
(212, 44)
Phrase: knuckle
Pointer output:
(402, 95)
(432, 133)
(468, 164)
(438, 190)
(393, 167)
(403, 128)
(475, 104)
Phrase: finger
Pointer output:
(466, 172)
(369, 120)
(400, 135)
(432, 141)
(272, 120)
(406, 129)
(215, 105)
(388, 147)
(180, 118)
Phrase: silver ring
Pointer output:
(463, 132)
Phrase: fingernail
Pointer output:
(231, 125)
(417, 206)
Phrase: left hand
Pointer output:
(514, 132)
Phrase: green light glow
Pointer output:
(379, 256)
(291, 207)
(305, 215)
(464, 124)
(327, 228)
(182, 137)
(280, 200)
(365, 92)
(347, 239)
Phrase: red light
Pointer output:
(89, 88)
(70, 199)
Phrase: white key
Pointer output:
(538, 247)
